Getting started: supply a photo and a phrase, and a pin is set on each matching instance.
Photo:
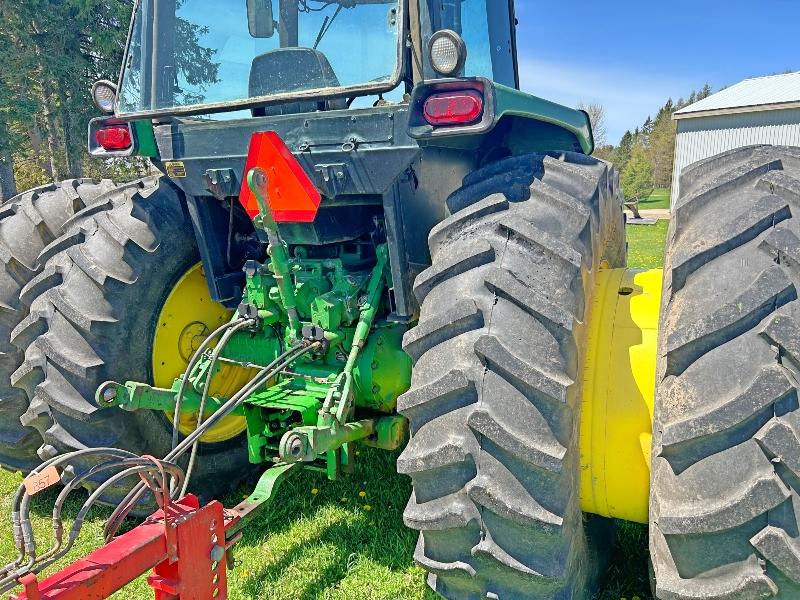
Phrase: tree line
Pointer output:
(51, 51)
(644, 157)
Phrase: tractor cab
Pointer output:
(369, 95)
(189, 57)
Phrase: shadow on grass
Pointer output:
(330, 529)
(311, 545)
(628, 573)
(323, 578)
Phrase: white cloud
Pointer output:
(628, 97)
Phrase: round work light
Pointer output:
(104, 93)
(448, 52)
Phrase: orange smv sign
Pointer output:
(292, 196)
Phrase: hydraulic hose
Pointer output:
(22, 500)
(262, 377)
(77, 524)
(192, 364)
(206, 387)
(58, 527)
(23, 535)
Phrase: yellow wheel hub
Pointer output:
(618, 394)
(188, 316)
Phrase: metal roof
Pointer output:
(751, 95)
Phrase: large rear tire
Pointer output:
(496, 385)
(94, 309)
(726, 454)
(29, 222)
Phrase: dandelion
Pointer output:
(367, 507)
(314, 491)
(362, 494)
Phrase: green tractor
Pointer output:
(361, 229)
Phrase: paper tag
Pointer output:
(36, 482)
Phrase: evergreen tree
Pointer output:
(607, 153)
(661, 148)
(647, 128)
(52, 52)
(636, 178)
(623, 153)
(52, 68)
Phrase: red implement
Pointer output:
(198, 573)
(292, 196)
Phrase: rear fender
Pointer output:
(526, 123)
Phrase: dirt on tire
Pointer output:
(29, 224)
(496, 385)
(93, 309)
(724, 502)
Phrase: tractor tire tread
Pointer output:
(502, 313)
(725, 497)
(29, 223)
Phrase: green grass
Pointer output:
(319, 541)
(327, 544)
(333, 544)
(646, 245)
(658, 199)
(627, 576)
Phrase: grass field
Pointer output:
(646, 245)
(658, 199)
(346, 540)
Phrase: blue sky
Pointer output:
(631, 56)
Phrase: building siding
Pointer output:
(703, 137)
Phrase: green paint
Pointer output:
(390, 433)
(383, 370)
(261, 496)
(275, 411)
(306, 444)
(511, 102)
(139, 396)
(277, 250)
(248, 349)
(145, 139)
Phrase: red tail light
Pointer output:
(116, 137)
(454, 108)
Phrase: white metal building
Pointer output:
(762, 110)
